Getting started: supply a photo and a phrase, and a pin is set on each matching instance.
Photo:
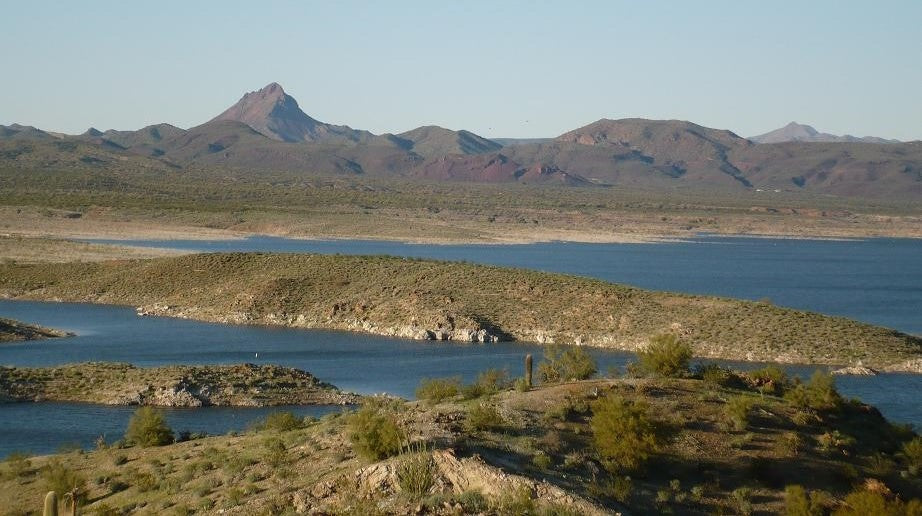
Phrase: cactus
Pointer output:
(528, 370)
(51, 504)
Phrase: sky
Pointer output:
(500, 69)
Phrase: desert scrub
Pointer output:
(912, 453)
(415, 471)
(61, 479)
(437, 390)
(624, 434)
(147, 427)
(374, 431)
(484, 417)
(283, 421)
(819, 393)
(736, 412)
(16, 465)
(569, 364)
(665, 356)
(487, 383)
(768, 380)
(714, 375)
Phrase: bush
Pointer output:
(818, 394)
(414, 473)
(274, 452)
(147, 427)
(768, 380)
(17, 465)
(541, 460)
(742, 500)
(736, 412)
(623, 433)
(864, 502)
(436, 390)
(487, 382)
(374, 432)
(282, 422)
(484, 417)
(560, 365)
(61, 479)
(912, 452)
(715, 376)
(665, 356)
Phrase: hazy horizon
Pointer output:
(844, 69)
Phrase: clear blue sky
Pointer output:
(498, 68)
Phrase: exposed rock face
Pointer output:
(855, 370)
(452, 475)
(172, 386)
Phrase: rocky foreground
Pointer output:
(15, 331)
(244, 385)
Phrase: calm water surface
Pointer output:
(357, 362)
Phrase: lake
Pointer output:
(877, 281)
(357, 362)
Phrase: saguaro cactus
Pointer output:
(51, 504)
(528, 364)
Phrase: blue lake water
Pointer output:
(361, 363)
(878, 281)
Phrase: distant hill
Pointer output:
(23, 132)
(275, 114)
(794, 132)
(432, 140)
(505, 142)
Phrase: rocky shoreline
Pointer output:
(244, 385)
(16, 331)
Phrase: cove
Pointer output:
(356, 362)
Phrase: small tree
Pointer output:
(665, 356)
(561, 365)
(147, 427)
(374, 431)
(623, 432)
(436, 390)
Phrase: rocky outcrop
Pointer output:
(172, 386)
(908, 366)
(13, 331)
(451, 475)
(855, 370)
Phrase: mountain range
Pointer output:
(266, 130)
(794, 132)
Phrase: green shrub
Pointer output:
(912, 452)
(61, 479)
(274, 452)
(736, 412)
(282, 422)
(561, 365)
(817, 394)
(741, 498)
(374, 432)
(541, 460)
(17, 465)
(436, 390)
(147, 427)
(714, 375)
(623, 433)
(666, 356)
(473, 502)
(415, 473)
(484, 417)
(864, 502)
(487, 382)
(768, 380)
(835, 441)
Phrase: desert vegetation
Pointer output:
(430, 299)
(654, 444)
